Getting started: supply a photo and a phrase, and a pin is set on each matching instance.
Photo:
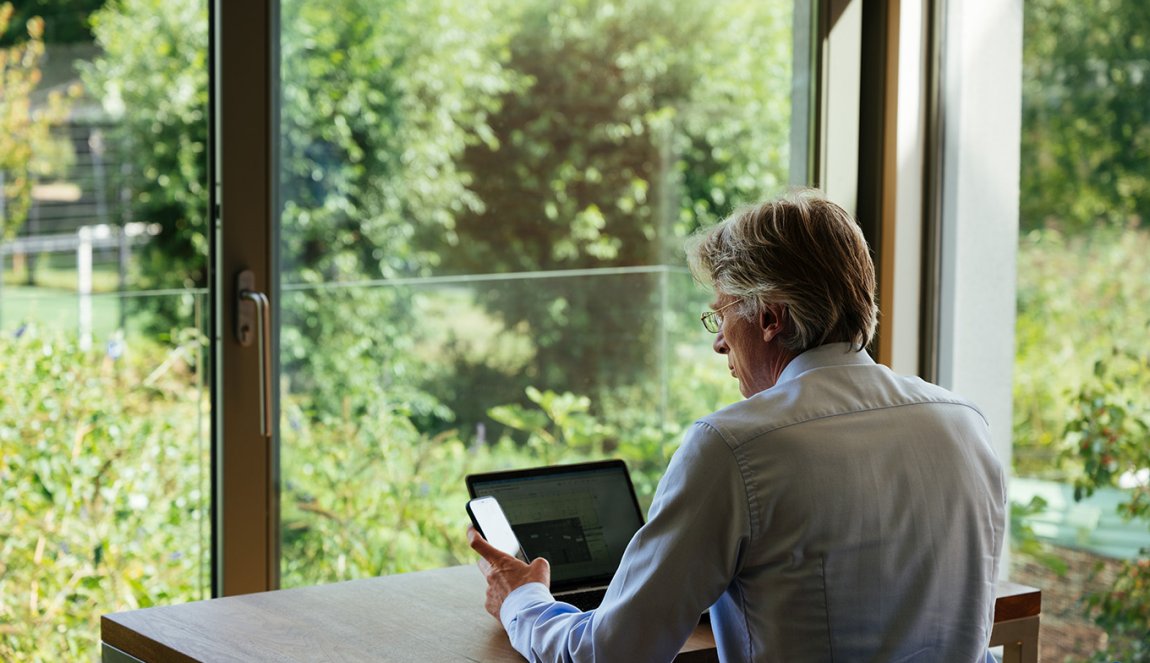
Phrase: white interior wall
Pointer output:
(981, 107)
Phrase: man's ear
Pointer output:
(772, 321)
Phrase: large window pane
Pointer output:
(483, 207)
(103, 403)
(1082, 423)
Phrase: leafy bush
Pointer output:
(1109, 436)
(1081, 379)
(103, 468)
(1077, 298)
(373, 494)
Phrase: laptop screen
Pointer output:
(580, 517)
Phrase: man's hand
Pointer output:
(504, 572)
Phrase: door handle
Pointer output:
(253, 323)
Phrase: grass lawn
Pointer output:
(53, 303)
(54, 308)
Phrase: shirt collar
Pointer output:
(831, 354)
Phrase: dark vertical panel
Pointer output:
(932, 197)
(245, 461)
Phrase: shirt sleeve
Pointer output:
(675, 567)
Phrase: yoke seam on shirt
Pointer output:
(733, 443)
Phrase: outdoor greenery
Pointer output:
(103, 473)
(151, 81)
(1078, 298)
(28, 151)
(1085, 120)
(480, 234)
(1082, 369)
(1082, 373)
(1109, 433)
(65, 20)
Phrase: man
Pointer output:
(839, 513)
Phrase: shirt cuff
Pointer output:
(521, 598)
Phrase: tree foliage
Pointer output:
(1086, 123)
(513, 137)
(376, 110)
(640, 122)
(1081, 372)
(65, 21)
(152, 81)
(28, 151)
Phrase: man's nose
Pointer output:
(720, 346)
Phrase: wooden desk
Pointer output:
(429, 616)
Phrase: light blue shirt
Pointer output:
(845, 514)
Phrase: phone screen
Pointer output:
(488, 518)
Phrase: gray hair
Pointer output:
(801, 251)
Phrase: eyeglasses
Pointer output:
(713, 320)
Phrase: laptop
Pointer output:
(579, 517)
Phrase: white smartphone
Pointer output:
(489, 519)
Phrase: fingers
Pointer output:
(504, 573)
(539, 570)
(480, 545)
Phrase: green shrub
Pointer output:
(1081, 379)
(1077, 298)
(1109, 437)
(103, 467)
(372, 495)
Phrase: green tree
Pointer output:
(376, 112)
(28, 151)
(152, 79)
(641, 120)
(67, 21)
(1086, 123)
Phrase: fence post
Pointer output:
(84, 285)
